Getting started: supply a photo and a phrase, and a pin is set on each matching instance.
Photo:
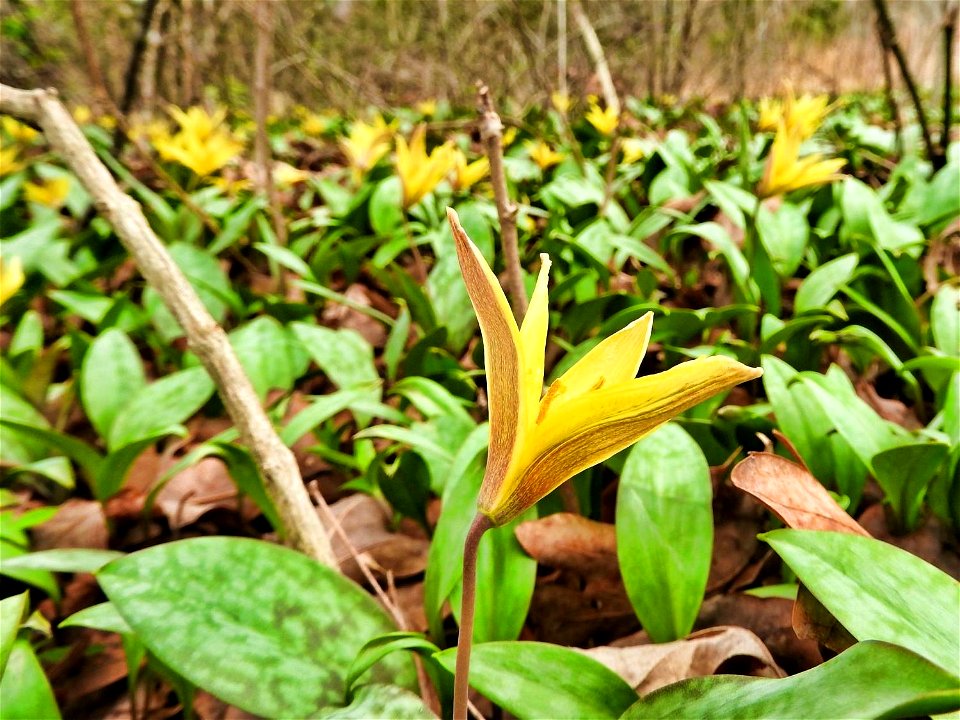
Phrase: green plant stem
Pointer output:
(481, 523)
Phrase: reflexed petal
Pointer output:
(501, 355)
(584, 430)
(616, 359)
(533, 341)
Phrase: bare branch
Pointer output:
(491, 133)
(206, 338)
(595, 50)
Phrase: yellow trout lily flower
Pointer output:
(595, 409)
(365, 144)
(10, 161)
(419, 172)
(466, 175)
(605, 121)
(17, 131)
(802, 115)
(635, 149)
(11, 278)
(786, 170)
(51, 193)
(427, 108)
(542, 154)
(201, 144)
(561, 102)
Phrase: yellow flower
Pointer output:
(595, 409)
(786, 170)
(151, 131)
(17, 131)
(11, 278)
(635, 149)
(314, 124)
(200, 144)
(802, 115)
(427, 108)
(605, 121)
(10, 161)
(286, 175)
(82, 114)
(468, 174)
(771, 112)
(542, 154)
(421, 173)
(509, 135)
(366, 143)
(52, 193)
(560, 101)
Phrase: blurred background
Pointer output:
(345, 55)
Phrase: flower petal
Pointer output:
(584, 430)
(502, 356)
(616, 359)
(533, 341)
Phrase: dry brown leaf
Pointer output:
(77, 524)
(365, 521)
(889, 409)
(649, 667)
(812, 621)
(571, 542)
(792, 494)
(769, 619)
(342, 316)
(734, 543)
(197, 490)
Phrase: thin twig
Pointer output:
(949, 32)
(262, 83)
(90, 57)
(888, 92)
(481, 523)
(133, 70)
(491, 133)
(595, 50)
(206, 338)
(889, 37)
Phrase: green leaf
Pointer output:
(289, 626)
(397, 341)
(943, 320)
(456, 513)
(386, 206)
(205, 275)
(42, 579)
(162, 404)
(719, 238)
(382, 701)
(103, 616)
(819, 287)
(319, 411)
(111, 374)
(870, 680)
(877, 591)
(905, 473)
(539, 680)
(236, 225)
(70, 560)
(12, 612)
(379, 647)
(268, 354)
(345, 357)
(25, 692)
(664, 525)
(784, 234)
(406, 486)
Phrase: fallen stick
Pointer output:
(206, 338)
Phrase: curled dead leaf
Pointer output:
(571, 542)
(792, 494)
(649, 667)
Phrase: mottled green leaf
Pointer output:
(877, 591)
(289, 626)
(538, 680)
(870, 680)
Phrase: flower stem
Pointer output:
(481, 523)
